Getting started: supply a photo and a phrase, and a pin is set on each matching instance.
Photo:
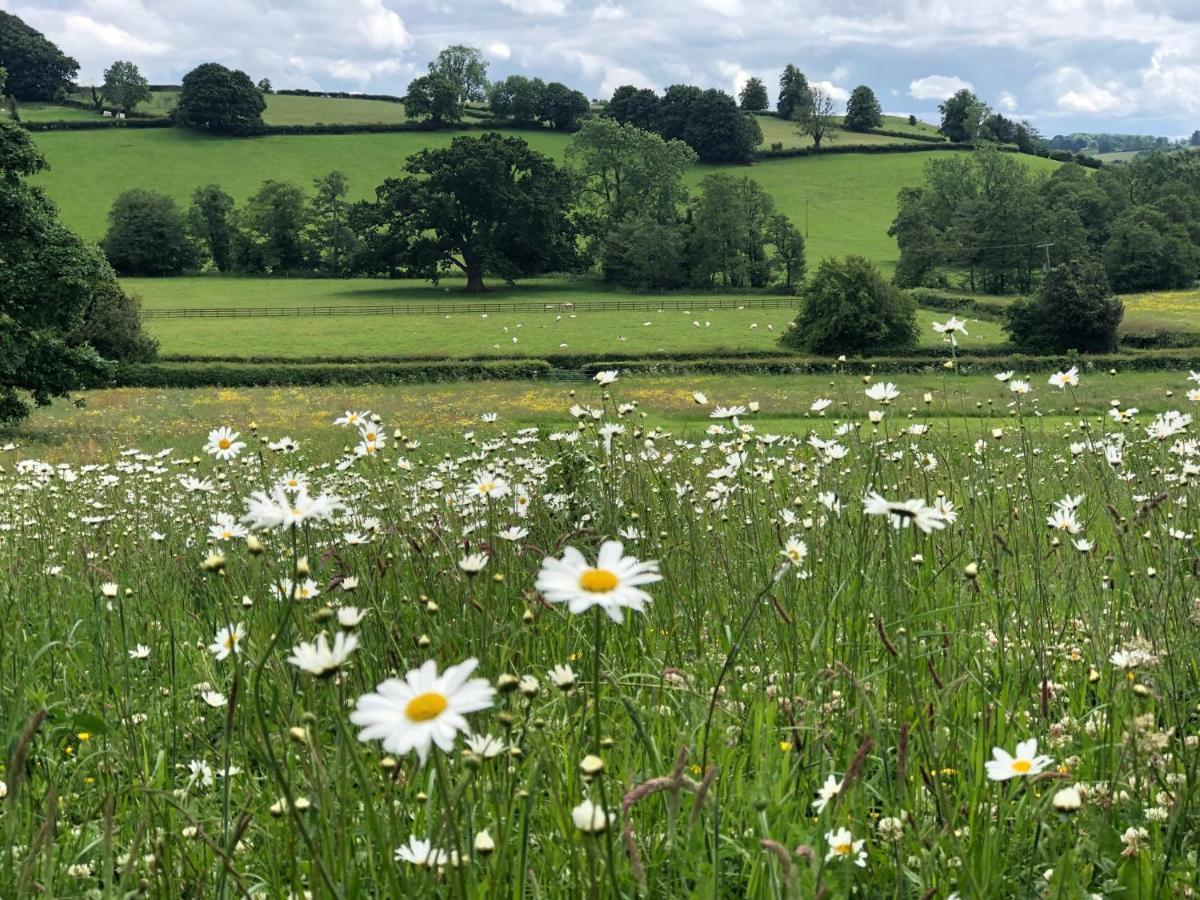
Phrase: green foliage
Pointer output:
(517, 97)
(465, 68)
(481, 205)
(53, 289)
(816, 118)
(3, 80)
(728, 246)
(235, 375)
(708, 121)
(333, 240)
(626, 171)
(562, 107)
(148, 235)
(634, 106)
(863, 111)
(962, 116)
(850, 308)
(793, 96)
(124, 86)
(435, 97)
(220, 100)
(1074, 309)
(753, 96)
(271, 230)
(645, 254)
(789, 250)
(37, 69)
(210, 223)
(1146, 251)
(113, 326)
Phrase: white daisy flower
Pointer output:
(613, 584)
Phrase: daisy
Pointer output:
(1019, 387)
(489, 484)
(420, 853)
(350, 616)
(141, 651)
(513, 534)
(606, 377)
(1025, 762)
(882, 393)
(1064, 520)
(613, 584)
(950, 328)
(842, 845)
(563, 677)
(473, 563)
(223, 443)
(319, 658)
(590, 818)
(228, 640)
(795, 550)
(423, 708)
(827, 792)
(901, 513)
(278, 510)
(353, 419)
(1069, 378)
(820, 405)
(225, 528)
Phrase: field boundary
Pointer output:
(419, 309)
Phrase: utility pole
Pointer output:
(1046, 247)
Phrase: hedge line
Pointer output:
(98, 124)
(909, 135)
(192, 375)
(980, 308)
(916, 147)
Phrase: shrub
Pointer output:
(1074, 309)
(850, 308)
(148, 235)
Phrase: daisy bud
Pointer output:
(302, 803)
(971, 570)
(323, 614)
(507, 683)
(279, 807)
(589, 818)
(484, 845)
(527, 617)
(215, 562)
(254, 545)
(298, 733)
(591, 766)
(1067, 800)
(423, 641)
(302, 567)
(387, 763)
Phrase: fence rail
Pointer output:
(425, 309)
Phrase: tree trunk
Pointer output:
(475, 279)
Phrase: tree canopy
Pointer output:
(487, 205)
(1073, 309)
(863, 111)
(434, 97)
(148, 235)
(59, 299)
(962, 115)
(465, 68)
(753, 96)
(221, 100)
(793, 93)
(709, 121)
(37, 69)
(124, 86)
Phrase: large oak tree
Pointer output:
(487, 205)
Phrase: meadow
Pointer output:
(844, 202)
(894, 648)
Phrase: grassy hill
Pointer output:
(848, 200)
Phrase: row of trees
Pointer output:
(989, 218)
(966, 118)
(487, 205)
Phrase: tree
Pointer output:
(37, 69)
(124, 86)
(482, 205)
(863, 111)
(793, 93)
(709, 122)
(849, 307)
(211, 225)
(221, 100)
(334, 240)
(1074, 309)
(917, 238)
(634, 106)
(753, 97)
(1146, 251)
(789, 250)
(1193, 141)
(465, 68)
(264, 85)
(3, 79)
(627, 171)
(148, 235)
(433, 96)
(730, 233)
(962, 116)
(817, 119)
(563, 107)
(271, 230)
(644, 254)
(54, 289)
(517, 97)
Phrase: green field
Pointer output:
(48, 112)
(845, 202)
(781, 131)
(697, 329)
(282, 109)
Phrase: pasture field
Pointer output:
(48, 112)
(845, 202)
(1163, 311)
(282, 109)
(873, 661)
(776, 130)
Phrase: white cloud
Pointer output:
(840, 95)
(1078, 93)
(499, 50)
(382, 28)
(615, 76)
(937, 87)
(1007, 102)
(606, 12)
(538, 7)
(1173, 79)
(77, 29)
(723, 7)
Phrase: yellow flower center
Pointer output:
(231, 641)
(598, 581)
(841, 849)
(424, 707)
(1022, 765)
(486, 487)
(224, 443)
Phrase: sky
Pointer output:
(1067, 65)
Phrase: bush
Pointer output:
(220, 100)
(645, 255)
(1074, 309)
(113, 326)
(148, 235)
(916, 147)
(232, 375)
(850, 308)
(1146, 251)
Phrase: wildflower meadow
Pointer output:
(897, 651)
